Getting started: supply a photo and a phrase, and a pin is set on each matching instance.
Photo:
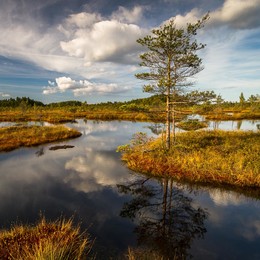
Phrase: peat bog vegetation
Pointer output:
(220, 158)
(18, 136)
(213, 157)
(46, 240)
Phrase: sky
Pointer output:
(86, 50)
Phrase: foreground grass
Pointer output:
(216, 157)
(18, 136)
(57, 240)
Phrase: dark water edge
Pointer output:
(122, 209)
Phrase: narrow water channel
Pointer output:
(122, 209)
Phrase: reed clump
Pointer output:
(46, 240)
(216, 157)
(193, 124)
(17, 136)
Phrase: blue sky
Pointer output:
(56, 50)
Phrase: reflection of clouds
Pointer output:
(94, 171)
(107, 135)
(226, 198)
(219, 197)
(250, 230)
(126, 128)
(99, 143)
(91, 126)
(234, 125)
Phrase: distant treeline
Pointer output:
(18, 102)
(195, 98)
(28, 102)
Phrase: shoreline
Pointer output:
(205, 157)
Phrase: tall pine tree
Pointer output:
(172, 60)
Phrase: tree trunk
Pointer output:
(168, 121)
(173, 125)
(168, 117)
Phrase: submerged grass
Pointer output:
(18, 136)
(216, 157)
(58, 240)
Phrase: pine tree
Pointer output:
(172, 60)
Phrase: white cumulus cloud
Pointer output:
(106, 40)
(81, 87)
(128, 16)
(239, 14)
(4, 95)
(236, 14)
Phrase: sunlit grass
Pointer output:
(60, 115)
(67, 114)
(218, 157)
(58, 240)
(191, 125)
(18, 136)
(233, 116)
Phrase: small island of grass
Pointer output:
(211, 157)
(18, 136)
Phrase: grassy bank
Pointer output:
(249, 115)
(17, 136)
(215, 157)
(47, 240)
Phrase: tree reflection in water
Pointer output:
(167, 222)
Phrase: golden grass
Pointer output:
(58, 240)
(217, 157)
(67, 114)
(191, 125)
(17, 136)
(233, 116)
(61, 115)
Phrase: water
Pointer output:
(244, 124)
(122, 209)
(157, 128)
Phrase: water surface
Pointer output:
(120, 208)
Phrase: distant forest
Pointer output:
(205, 98)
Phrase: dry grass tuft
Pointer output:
(47, 240)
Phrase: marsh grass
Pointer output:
(18, 136)
(61, 115)
(233, 116)
(58, 240)
(192, 124)
(216, 157)
(108, 112)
